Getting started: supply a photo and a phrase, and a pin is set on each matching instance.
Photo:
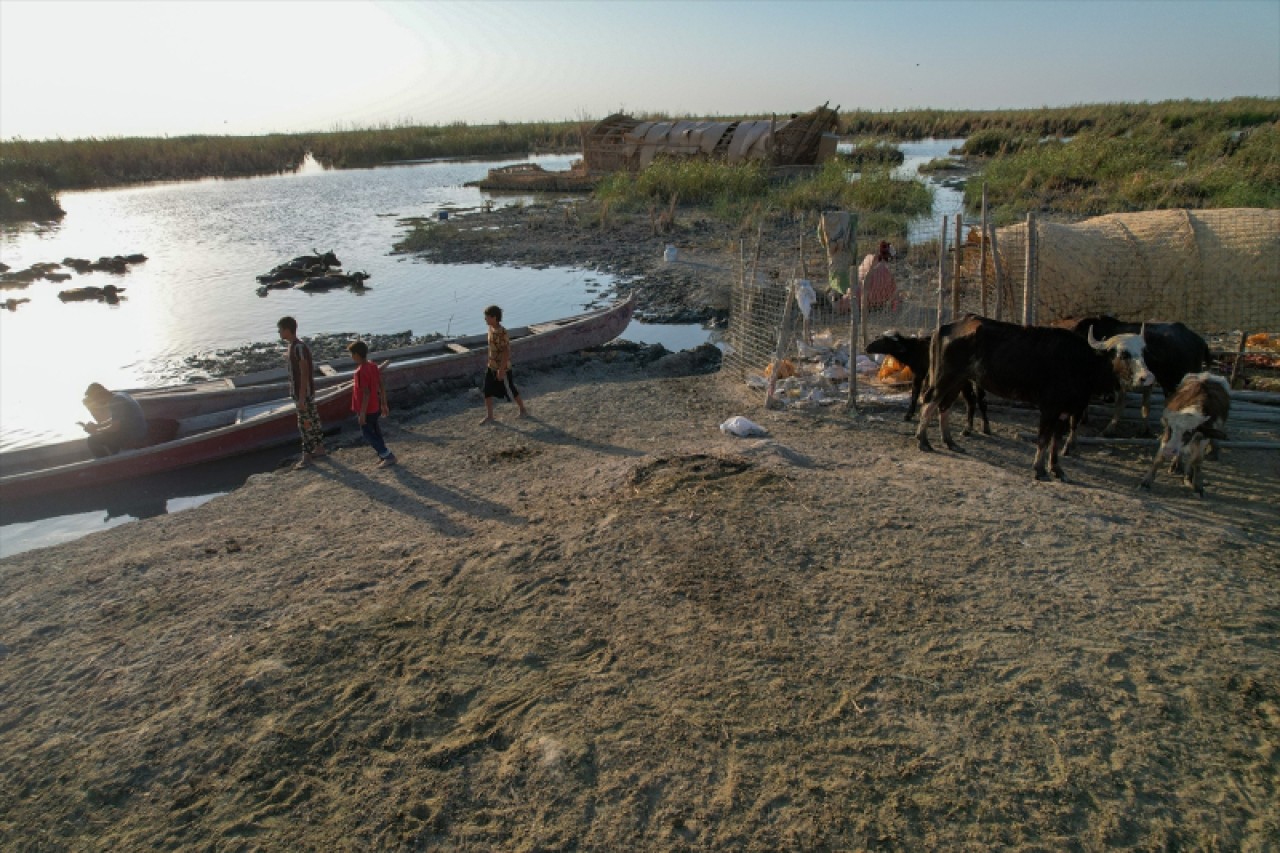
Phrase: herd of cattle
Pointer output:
(1058, 369)
(49, 271)
(314, 272)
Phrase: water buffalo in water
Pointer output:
(1050, 367)
(109, 294)
(328, 282)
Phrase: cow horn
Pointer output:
(1094, 342)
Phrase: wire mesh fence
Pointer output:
(1216, 271)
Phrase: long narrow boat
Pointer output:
(68, 465)
(443, 359)
(211, 421)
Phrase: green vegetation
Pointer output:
(1073, 161)
(23, 202)
(1151, 167)
(1062, 121)
(874, 152)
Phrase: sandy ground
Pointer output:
(614, 627)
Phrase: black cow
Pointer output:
(1051, 367)
(326, 260)
(1170, 351)
(325, 282)
(914, 353)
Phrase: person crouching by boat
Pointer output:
(302, 389)
(369, 401)
(498, 381)
(118, 421)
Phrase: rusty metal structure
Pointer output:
(622, 143)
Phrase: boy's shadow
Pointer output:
(429, 497)
(548, 433)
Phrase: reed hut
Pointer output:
(620, 142)
(1212, 269)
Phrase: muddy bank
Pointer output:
(614, 627)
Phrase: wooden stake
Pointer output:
(1235, 368)
(855, 311)
(1029, 268)
(982, 245)
(999, 277)
(955, 278)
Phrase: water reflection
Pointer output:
(206, 241)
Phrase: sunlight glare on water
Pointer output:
(206, 241)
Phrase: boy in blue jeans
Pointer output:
(369, 401)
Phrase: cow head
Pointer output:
(1187, 435)
(1127, 354)
(892, 343)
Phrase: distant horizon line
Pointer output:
(406, 124)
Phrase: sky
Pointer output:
(107, 68)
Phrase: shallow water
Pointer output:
(206, 241)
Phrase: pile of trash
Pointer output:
(818, 375)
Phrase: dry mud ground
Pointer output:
(612, 627)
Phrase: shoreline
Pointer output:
(613, 626)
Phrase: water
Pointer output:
(947, 201)
(206, 241)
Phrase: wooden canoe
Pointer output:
(67, 466)
(444, 359)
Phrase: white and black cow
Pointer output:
(1195, 414)
(1169, 352)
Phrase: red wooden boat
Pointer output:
(443, 359)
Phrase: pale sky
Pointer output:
(104, 68)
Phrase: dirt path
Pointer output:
(613, 627)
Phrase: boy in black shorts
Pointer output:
(498, 381)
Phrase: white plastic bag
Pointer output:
(741, 427)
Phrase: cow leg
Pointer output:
(1145, 428)
(1043, 441)
(917, 382)
(1060, 426)
(922, 428)
(1195, 468)
(982, 407)
(970, 406)
(1073, 426)
(944, 409)
(1114, 425)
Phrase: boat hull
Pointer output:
(401, 368)
(277, 427)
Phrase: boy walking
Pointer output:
(369, 401)
(498, 381)
(302, 389)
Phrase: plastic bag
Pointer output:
(741, 427)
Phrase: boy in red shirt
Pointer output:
(369, 401)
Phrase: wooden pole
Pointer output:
(1235, 368)
(999, 277)
(855, 311)
(1029, 271)
(955, 278)
(783, 334)
(935, 345)
(982, 245)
